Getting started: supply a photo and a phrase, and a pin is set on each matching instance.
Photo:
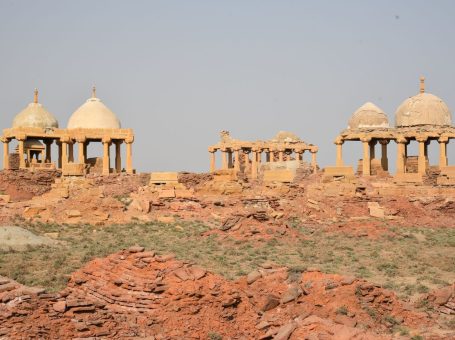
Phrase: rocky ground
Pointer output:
(309, 260)
(136, 293)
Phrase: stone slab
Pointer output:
(282, 176)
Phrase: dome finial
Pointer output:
(422, 84)
(35, 97)
(94, 91)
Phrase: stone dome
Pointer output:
(423, 109)
(286, 136)
(93, 114)
(35, 115)
(368, 116)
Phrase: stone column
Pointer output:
(64, 154)
(247, 160)
(59, 163)
(443, 152)
(254, 165)
(71, 151)
(5, 154)
(401, 156)
(48, 144)
(272, 155)
(372, 149)
(81, 150)
(85, 151)
(339, 144)
(224, 161)
(129, 157)
(313, 161)
(212, 160)
(237, 160)
(422, 162)
(106, 156)
(21, 154)
(230, 164)
(118, 157)
(267, 156)
(299, 154)
(384, 158)
(366, 163)
(280, 155)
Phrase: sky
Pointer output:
(179, 72)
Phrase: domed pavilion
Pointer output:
(422, 118)
(94, 122)
(91, 122)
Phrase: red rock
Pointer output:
(270, 302)
(59, 306)
(253, 276)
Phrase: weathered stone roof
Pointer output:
(368, 116)
(93, 114)
(423, 109)
(35, 115)
(286, 136)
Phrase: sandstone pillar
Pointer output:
(59, 164)
(422, 159)
(71, 152)
(254, 165)
(247, 161)
(272, 155)
(48, 144)
(366, 169)
(21, 154)
(314, 165)
(401, 156)
(443, 152)
(224, 161)
(106, 157)
(64, 154)
(339, 145)
(212, 161)
(81, 151)
(267, 156)
(6, 154)
(384, 158)
(85, 151)
(129, 157)
(237, 160)
(299, 155)
(118, 157)
(280, 155)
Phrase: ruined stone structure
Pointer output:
(235, 154)
(422, 118)
(36, 130)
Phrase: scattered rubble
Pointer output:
(137, 293)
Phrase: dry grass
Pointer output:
(411, 262)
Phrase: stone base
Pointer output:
(281, 176)
(339, 173)
(447, 176)
(225, 175)
(413, 178)
(163, 178)
(73, 169)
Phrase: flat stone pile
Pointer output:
(137, 293)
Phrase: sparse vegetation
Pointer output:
(343, 310)
(392, 266)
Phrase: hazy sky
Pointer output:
(178, 72)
